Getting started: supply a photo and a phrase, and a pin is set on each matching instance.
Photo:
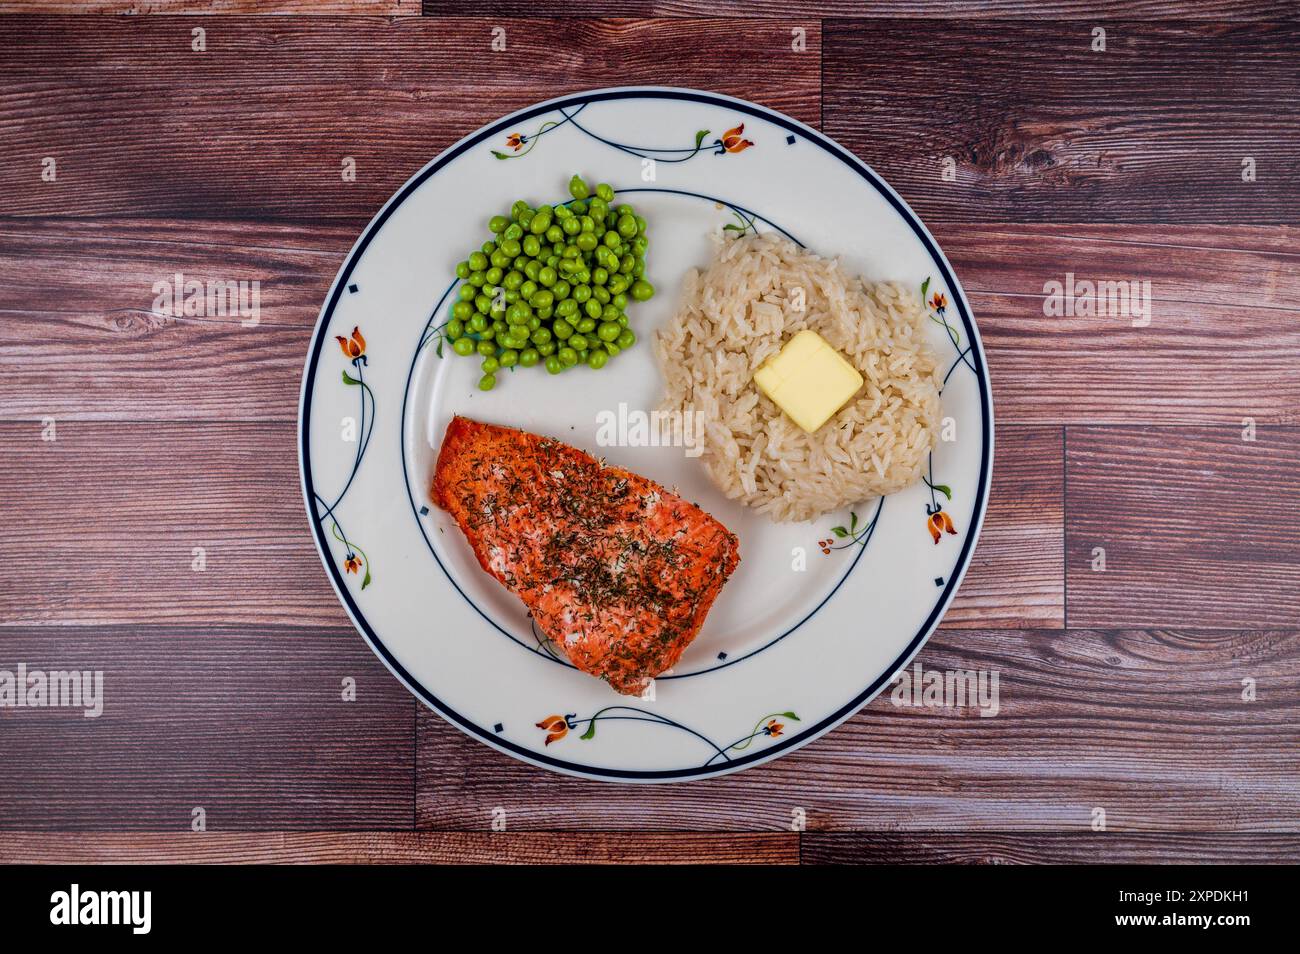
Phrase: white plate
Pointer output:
(787, 652)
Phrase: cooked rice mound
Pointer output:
(738, 313)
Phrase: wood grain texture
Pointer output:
(1051, 848)
(247, 723)
(918, 9)
(257, 127)
(1197, 524)
(1149, 726)
(232, 488)
(77, 299)
(141, 7)
(1224, 308)
(101, 525)
(398, 848)
(1043, 129)
(1017, 576)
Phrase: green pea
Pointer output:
(529, 357)
(619, 301)
(466, 292)
(487, 382)
(462, 310)
(547, 276)
(627, 227)
(562, 211)
(547, 349)
(608, 331)
(618, 284)
(512, 280)
(567, 307)
(640, 224)
(463, 346)
(605, 191)
(612, 240)
(586, 325)
(542, 298)
(626, 339)
(599, 276)
(601, 294)
(568, 357)
(554, 365)
(571, 225)
(593, 308)
(499, 259)
(478, 323)
(577, 188)
(462, 270)
(455, 327)
(597, 359)
(610, 312)
(478, 261)
(642, 290)
(498, 223)
(555, 234)
(612, 348)
(515, 232)
(560, 290)
(541, 336)
(585, 241)
(490, 365)
(562, 328)
(578, 342)
(597, 209)
(623, 210)
(578, 206)
(509, 357)
(493, 276)
(487, 348)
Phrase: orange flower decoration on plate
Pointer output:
(732, 141)
(353, 347)
(940, 523)
(556, 728)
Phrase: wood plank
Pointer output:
(1224, 308)
(1149, 726)
(1041, 128)
(101, 526)
(919, 9)
(1196, 523)
(257, 127)
(1048, 848)
(142, 7)
(249, 724)
(1017, 576)
(86, 343)
(232, 488)
(397, 848)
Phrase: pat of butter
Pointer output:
(808, 379)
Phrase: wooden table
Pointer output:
(1164, 689)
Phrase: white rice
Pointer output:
(738, 313)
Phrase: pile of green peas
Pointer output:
(552, 285)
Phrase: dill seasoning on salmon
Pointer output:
(618, 572)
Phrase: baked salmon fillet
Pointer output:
(617, 571)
